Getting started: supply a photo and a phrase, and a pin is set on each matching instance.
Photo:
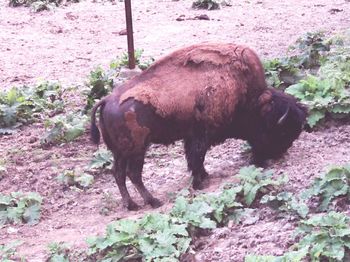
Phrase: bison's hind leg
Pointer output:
(119, 173)
(195, 150)
(134, 172)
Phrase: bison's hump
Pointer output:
(204, 81)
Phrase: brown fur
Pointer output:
(202, 94)
(138, 133)
(210, 74)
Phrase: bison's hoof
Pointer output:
(204, 174)
(198, 185)
(132, 206)
(155, 203)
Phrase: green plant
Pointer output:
(286, 202)
(224, 204)
(311, 46)
(321, 96)
(326, 236)
(39, 5)
(18, 207)
(64, 128)
(123, 61)
(318, 75)
(8, 252)
(206, 4)
(334, 183)
(156, 236)
(195, 212)
(101, 82)
(59, 252)
(21, 105)
(255, 180)
(291, 256)
(75, 178)
(103, 158)
(283, 72)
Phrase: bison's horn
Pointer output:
(283, 118)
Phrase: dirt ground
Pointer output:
(67, 43)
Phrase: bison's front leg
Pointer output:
(119, 173)
(134, 172)
(195, 150)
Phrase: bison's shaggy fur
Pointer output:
(202, 94)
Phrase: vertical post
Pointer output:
(129, 30)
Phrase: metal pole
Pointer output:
(131, 51)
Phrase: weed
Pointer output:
(8, 252)
(334, 183)
(319, 76)
(39, 5)
(326, 236)
(59, 252)
(75, 178)
(18, 207)
(206, 4)
(101, 82)
(286, 202)
(23, 105)
(254, 180)
(64, 128)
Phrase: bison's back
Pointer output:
(204, 81)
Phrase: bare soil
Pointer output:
(67, 43)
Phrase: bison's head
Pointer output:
(282, 120)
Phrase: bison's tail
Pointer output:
(94, 131)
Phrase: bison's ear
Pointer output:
(265, 102)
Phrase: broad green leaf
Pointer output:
(31, 214)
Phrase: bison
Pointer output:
(203, 94)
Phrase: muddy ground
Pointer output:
(67, 43)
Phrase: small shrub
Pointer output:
(155, 236)
(319, 76)
(254, 180)
(206, 4)
(39, 5)
(335, 183)
(75, 178)
(64, 128)
(101, 82)
(326, 236)
(103, 158)
(286, 202)
(18, 207)
(8, 252)
(58, 252)
(23, 105)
